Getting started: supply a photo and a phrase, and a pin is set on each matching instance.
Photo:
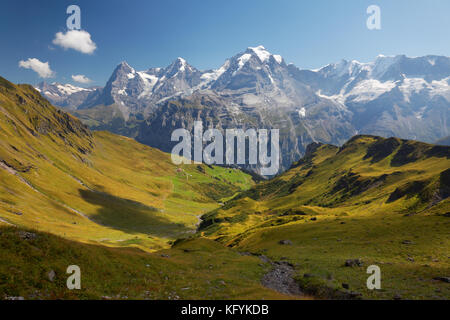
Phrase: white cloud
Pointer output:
(78, 40)
(42, 68)
(81, 79)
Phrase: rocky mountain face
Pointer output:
(392, 96)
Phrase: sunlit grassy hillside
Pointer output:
(56, 176)
(384, 201)
(197, 269)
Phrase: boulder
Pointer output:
(353, 263)
(51, 275)
(443, 279)
(24, 235)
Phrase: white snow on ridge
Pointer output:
(69, 89)
(242, 60)
(122, 92)
(371, 89)
(265, 55)
(278, 58)
(411, 86)
(215, 74)
(261, 52)
(365, 90)
(302, 112)
(441, 87)
(375, 69)
(419, 115)
(149, 83)
(183, 63)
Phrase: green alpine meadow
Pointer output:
(140, 227)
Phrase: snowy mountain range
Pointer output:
(391, 96)
(65, 95)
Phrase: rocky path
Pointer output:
(280, 278)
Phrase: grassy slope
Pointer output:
(366, 203)
(103, 188)
(126, 273)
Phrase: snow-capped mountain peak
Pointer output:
(58, 89)
(65, 95)
(264, 55)
(261, 52)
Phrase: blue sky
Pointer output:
(152, 33)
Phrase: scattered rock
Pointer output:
(353, 263)
(264, 259)
(24, 235)
(345, 286)
(410, 259)
(443, 279)
(165, 256)
(281, 279)
(407, 242)
(285, 242)
(15, 298)
(51, 275)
